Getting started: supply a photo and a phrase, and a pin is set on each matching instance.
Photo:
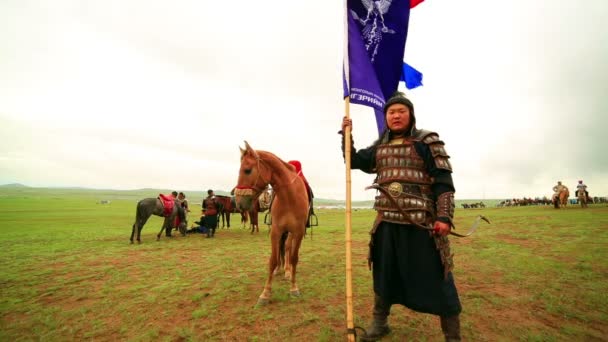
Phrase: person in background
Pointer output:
(211, 209)
(200, 225)
(582, 194)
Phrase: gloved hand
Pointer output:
(441, 228)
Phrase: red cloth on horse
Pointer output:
(298, 167)
(168, 202)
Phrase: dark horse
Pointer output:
(154, 206)
(227, 207)
(289, 209)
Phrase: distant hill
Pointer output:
(194, 197)
(14, 185)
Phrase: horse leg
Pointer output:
(228, 218)
(140, 221)
(294, 258)
(166, 227)
(160, 233)
(272, 264)
(133, 231)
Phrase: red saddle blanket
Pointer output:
(168, 202)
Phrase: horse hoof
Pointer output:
(295, 293)
(263, 301)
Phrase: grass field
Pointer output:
(68, 272)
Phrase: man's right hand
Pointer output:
(347, 122)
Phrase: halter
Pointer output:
(241, 190)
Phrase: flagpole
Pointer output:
(350, 326)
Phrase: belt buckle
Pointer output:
(395, 189)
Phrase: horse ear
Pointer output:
(251, 150)
(242, 151)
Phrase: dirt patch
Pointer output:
(514, 240)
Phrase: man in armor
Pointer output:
(211, 208)
(411, 262)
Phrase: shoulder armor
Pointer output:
(437, 148)
(422, 134)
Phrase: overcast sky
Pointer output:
(131, 94)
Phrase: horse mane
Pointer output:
(269, 157)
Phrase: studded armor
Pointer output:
(402, 173)
(437, 150)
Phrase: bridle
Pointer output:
(255, 191)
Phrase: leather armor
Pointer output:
(401, 172)
(404, 176)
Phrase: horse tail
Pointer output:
(138, 214)
(282, 249)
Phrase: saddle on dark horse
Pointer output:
(168, 203)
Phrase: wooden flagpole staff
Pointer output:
(348, 230)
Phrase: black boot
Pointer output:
(379, 326)
(451, 328)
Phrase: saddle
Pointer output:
(168, 202)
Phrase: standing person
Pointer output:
(183, 202)
(210, 206)
(411, 266)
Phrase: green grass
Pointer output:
(68, 272)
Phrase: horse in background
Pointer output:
(156, 206)
(560, 200)
(289, 209)
(259, 206)
(583, 197)
(227, 207)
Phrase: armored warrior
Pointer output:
(411, 263)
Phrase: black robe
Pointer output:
(407, 267)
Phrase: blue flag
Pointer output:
(411, 76)
(373, 64)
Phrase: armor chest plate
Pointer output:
(402, 173)
(400, 163)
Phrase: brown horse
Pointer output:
(561, 200)
(227, 207)
(289, 209)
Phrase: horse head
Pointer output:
(253, 178)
